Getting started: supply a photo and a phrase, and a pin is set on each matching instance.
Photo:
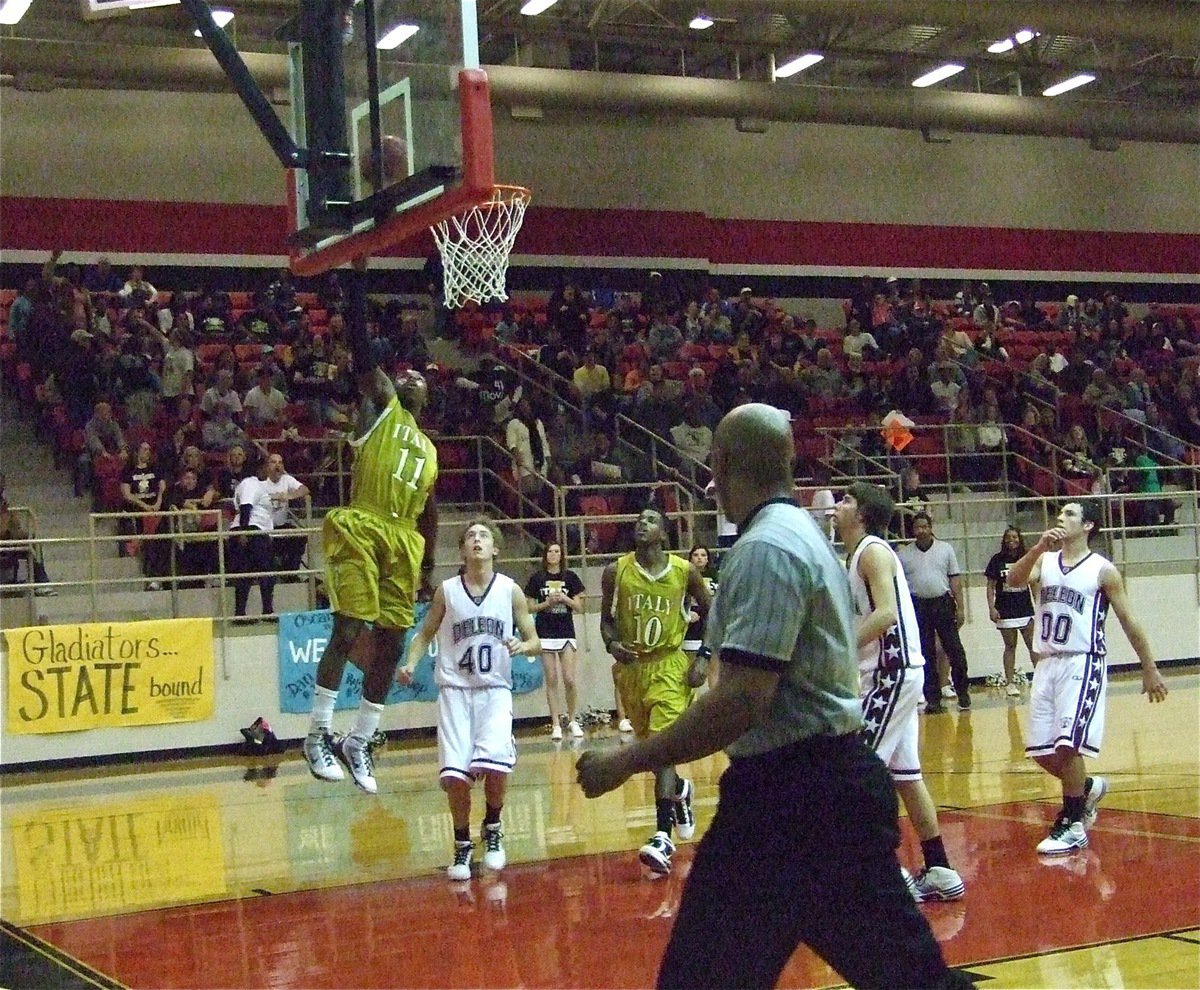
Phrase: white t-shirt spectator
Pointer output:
(695, 441)
(264, 408)
(212, 398)
(854, 344)
(286, 485)
(178, 362)
(254, 492)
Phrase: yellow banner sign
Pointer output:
(101, 674)
(82, 861)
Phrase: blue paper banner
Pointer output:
(303, 637)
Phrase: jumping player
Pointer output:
(378, 550)
(1074, 589)
(475, 616)
(890, 678)
(642, 623)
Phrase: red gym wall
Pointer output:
(187, 175)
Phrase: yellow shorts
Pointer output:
(372, 567)
(655, 693)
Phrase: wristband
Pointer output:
(704, 653)
(427, 566)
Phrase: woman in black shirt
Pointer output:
(1011, 609)
(555, 595)
(142, 490)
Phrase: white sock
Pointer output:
(367, 721)
(322, 710)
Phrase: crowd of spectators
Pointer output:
(675, 361)
(183, 386)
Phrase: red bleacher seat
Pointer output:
(602, 536)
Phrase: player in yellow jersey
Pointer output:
(378, 550)
(642, 623)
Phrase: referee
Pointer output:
(935, 580)
(803, 844)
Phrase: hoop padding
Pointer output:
(475, 246)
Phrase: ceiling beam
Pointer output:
(614, 93)
(1172, 25)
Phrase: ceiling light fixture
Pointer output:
(12, 11)
(1022, 37)
(397, 36)
(798, 64)
(535, 7)
(1069, 84)
(220, 19)
(701, 22)
(938, 74)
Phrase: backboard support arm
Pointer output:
(272, 128)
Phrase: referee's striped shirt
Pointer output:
(784, 596)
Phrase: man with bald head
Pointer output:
(803, 844)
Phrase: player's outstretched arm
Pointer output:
(422, 638)
(528, 645)
(1113, 587)
(373, 383)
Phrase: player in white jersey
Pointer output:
(891, 679)
(476, 617)
(1074, 589)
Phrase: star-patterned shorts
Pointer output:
(889, 700)
(1066, 704)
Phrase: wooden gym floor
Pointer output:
(250, 873)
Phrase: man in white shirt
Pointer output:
(264, 404)
(250, 543)
(287, 551)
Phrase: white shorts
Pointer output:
(474, 731)
(691, 645)
(1018, 623)
(1066, 704)
(889, 702)
(558, 645)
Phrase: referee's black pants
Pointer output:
(937, 622)
(803, 849)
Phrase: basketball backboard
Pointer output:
(395, 116)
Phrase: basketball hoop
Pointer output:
(475, 246)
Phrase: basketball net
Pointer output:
(475, 246)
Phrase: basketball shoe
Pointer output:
(685, 818)
(657, 852)
(356, 754)
(1097, 788)
(494, 857)
(575, 729)
(934, 883)
(318, 754)
(624, 725)
(460, 869)
(1065, 837)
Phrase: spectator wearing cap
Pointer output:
(1072, 313)
(264, 404)
(103, 441)
(659, 294)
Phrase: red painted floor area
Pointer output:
(594, 921)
